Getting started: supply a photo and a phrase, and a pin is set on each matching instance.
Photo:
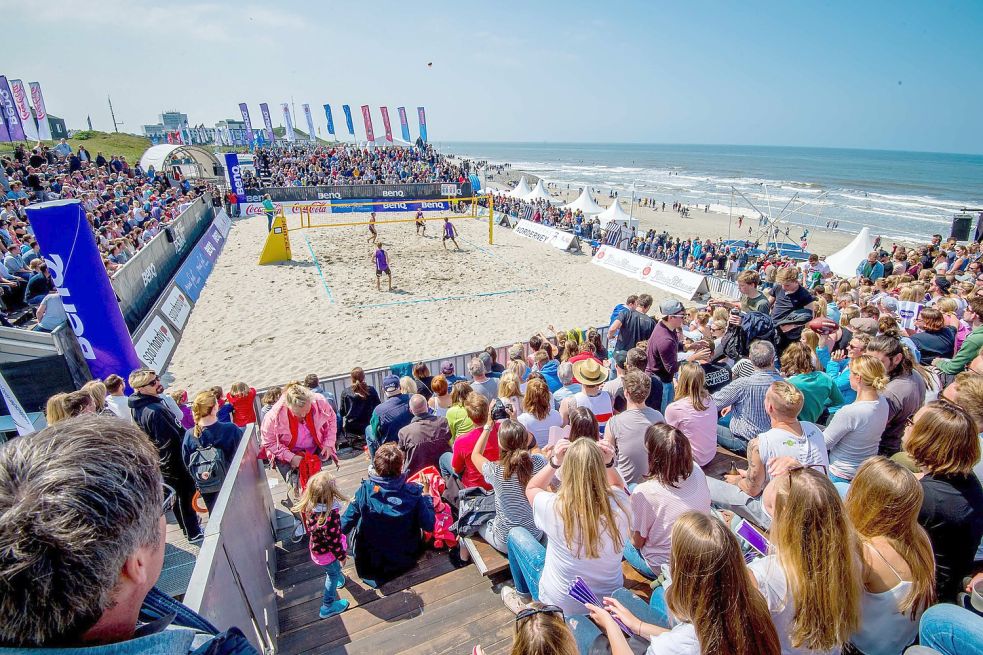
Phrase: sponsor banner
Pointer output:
(44, 129)
(250, 137)
(267, 121)
(194, 272)
(423, 123)
(348, 119)
(326, 207)
(385, 123)
(234, 173)
(327, 114)
(404, 125)
(664, 276)
(69, 248)
(223, 223)
(24, 109)
(908, 312)
(4, 132)
(311, 132)
(176, 307)
(21, 420)
(544, 234)
(156, 343)
(10, 114)
(367, 120)
(422, 191)
(288, 121)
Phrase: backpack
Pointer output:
(754, 326)
(442, 536)
(208, 467)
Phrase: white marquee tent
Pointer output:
(617, 214)
(846, 260)
(539, 193)
(585, 203)
(521, 189)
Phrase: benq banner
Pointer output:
(267, 121)
(24, 109)
(327, 114)
(235, 175)
(70, 252)
(423, 123)
(367, 120)
(404, 125)
(10, 111)
(348, 119)
(250, 137)
(289, 122)
(385, 123)
(44, 129)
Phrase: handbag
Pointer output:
(476, 507)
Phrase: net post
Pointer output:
(491, 219)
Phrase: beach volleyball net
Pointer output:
(333, 214)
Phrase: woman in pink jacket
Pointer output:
(301, 422)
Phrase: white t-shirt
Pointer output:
(681, 640)
(809, 448)
(562, 567)
(655, 508)
(540, 428)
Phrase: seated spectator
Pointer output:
(854, 433)
(540, 630)
(710, 596)
(788, 438)
(78, 584)
(943, 442)
(440, 401)
(564, 373)
(586, 524)
(936, 339)
(548, 368)
(510, 392)
(269, 399)
(495, 366)
(421, 374)
(461, 463)
(480, 382)
(949, 630)
(970, 346)
(98, 392)
(358, 400)
(812, 581)
(50, 313)
(447, 370)
(508, 478)
(905, 392)
(673, 486)
(457, 415)
(116, 400)
(242, 397)
(424, 439)
(818, 389)
(591, 375)
(626, 431)
(38, 286)
(899, 567)
(838, 368)
(388, 418)
(694, 412)
(209, 432)
(225, 408)
(538, 415)
(386, 520)
(744, 399)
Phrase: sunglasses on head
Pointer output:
(530, 611)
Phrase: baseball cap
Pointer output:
(670, 306)
(942, 283)
(447, 367)
(620, 356)
(390, 383)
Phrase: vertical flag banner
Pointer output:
(44, 129)
(4, 133)
(385, 123)
(10, 111)
(288, 121)
(21, 420)
(249, 124)
(234, 173)
(367, 119)
(267, 121)
(327, 114)
(70, 251)
(423, 123)
(24, 109)
(310, 123)
(348, 119)
(404, 125)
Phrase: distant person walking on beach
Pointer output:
(420, 223)
(450, 232)
(373, 235)
(382, 266)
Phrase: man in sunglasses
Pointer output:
(156, 420)
(82, 545)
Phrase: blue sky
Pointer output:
(895, 75)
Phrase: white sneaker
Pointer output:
(514, 600)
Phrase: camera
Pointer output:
(498, 411)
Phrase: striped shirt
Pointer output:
(746, 398)
(512, 508)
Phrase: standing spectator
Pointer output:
(792, 307)
(744, 400)
(225, 408)
(626, 431)
(633, 325)
(970, 346)
(116, 401)
(358, 401)
(180, 398)
(391, 416)
(242, 397)
(270, 210)
(694, 412)
(905, 392)
(425, 439)
(208, 432)
(320, 507)
(663, 348)
(157, 421)
(269, 399)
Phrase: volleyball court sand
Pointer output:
(269, 324)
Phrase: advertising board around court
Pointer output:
(544, 234)
(361, 192)
(673, 279)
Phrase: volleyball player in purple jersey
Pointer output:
(450, 232)
(381, 266)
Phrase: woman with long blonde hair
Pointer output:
(586, 523)
(899, 566)
(509, 391)
(209, 432)
(812, 579)
(854, 432)
(713, 602)
(694, 413)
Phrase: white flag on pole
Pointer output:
(23, 423)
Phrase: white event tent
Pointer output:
(521, 189)
(845, 261)
(585, 203)
(539, 193)
(617, 214)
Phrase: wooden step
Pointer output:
(488, 560)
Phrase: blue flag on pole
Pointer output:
(327, 114)
(348, 119)
(423, 123)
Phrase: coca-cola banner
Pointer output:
(24, 109)
(44, 129)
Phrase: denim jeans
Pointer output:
(444, 464)
(526, 560)
(730, 441)
(668, 395)
(951, 630)
(654, 612)
(371, 441)
(332, 578)
(633, 557)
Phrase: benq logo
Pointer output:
(395, 205)
(149, 274)
(254, 198)
(431, 205)
(395, 193)
(328, 195)
(236, 175)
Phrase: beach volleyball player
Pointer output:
(373, 235)
(450, 232)
(381, 266)
(421, 225)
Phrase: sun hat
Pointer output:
(590, 372)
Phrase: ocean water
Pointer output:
(898, 194)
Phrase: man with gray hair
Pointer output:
(82, 544)
(744, 400)
(565, 374)
(481, 383)
(425, 439)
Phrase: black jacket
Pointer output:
(153, 417)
